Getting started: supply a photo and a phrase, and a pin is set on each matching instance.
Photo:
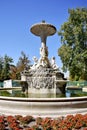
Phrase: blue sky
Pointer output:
(16, 18)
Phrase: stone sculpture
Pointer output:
(44, 76)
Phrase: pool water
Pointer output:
(19, 93)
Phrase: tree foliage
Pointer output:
(5, 63)
(11, 71)
(23, 64)
(73, 51)
(23, 61)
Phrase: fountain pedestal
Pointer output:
(45, 80)
(44, 76)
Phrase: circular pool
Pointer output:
(43, 106)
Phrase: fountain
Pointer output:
(44, 76)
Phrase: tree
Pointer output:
(1, 67)
(23, 64)
(73, 51)
(5, 73)
(13, 70)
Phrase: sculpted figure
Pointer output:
(44, 56)
(44, 52)
(53, 64)
(35, 62)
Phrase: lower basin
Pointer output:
(52, 107)
(41, 105)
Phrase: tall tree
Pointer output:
(13, 70)
(23, 63)
(73, 51)
(1, 67)
(6, 67)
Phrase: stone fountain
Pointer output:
(44, 75)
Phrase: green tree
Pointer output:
(5, 74)
(1, 67)
(73, 51)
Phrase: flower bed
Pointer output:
(18, 122)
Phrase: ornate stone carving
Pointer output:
(41, 82)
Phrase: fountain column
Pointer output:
(43, 30)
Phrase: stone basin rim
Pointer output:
(69, 99)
